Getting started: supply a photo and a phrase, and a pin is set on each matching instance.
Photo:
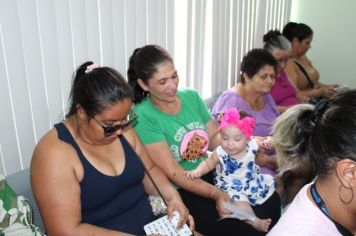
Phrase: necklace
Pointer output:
(319, 201)
(321, 204)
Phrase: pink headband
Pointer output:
(232, 117)
(91, 67)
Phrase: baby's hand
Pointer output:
(267, 144)
(192, 174)
(264, 142)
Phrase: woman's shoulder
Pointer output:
(188, 93)
(188, 90)
(290, 66)
(142, 107)
(270, 101)
(229, 94)
(51, 149)
(306, 221)
(131, 137)
(268, 97)
(304, 60)
(53, 157)
(48, 140)
(226, 100)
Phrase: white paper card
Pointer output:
(239, 212)
(164, 226)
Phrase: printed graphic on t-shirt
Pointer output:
(194, 145)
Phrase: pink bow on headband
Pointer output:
(91, 67)
(232, 117)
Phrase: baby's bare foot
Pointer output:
(260, 224)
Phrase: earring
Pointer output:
(348, 189)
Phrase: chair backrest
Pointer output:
(211, 101)
(20, 183)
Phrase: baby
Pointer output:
(236, 170)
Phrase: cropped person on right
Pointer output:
(326, 134)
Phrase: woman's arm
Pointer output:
(294, 74)
(204, 167)
(55, 175)
(281, 109)
(170, 194)
(262, 159)
(162, 157)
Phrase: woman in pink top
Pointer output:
(283, 91)
(325, 134)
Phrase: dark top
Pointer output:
(112, 202)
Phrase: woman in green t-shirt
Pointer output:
(177, 130)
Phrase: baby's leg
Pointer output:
(257, 223)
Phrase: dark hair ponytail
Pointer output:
(95, 88)
(306, 128)
(303, 129)
(139, 93)
(288, 30)
(78, 76)
(297, 30)
(142, 65)
(325, 132)
(273, 40)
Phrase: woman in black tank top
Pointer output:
(299, 67)
(88, 173)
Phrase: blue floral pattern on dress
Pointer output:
(231, 165)
(241, 179)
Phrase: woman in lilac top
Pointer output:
(251, 94)
(264, 117)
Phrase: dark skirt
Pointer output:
(206, 217)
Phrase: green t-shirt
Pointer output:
(185, 133)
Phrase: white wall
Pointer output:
(334, 44)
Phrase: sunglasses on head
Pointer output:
(111, 129)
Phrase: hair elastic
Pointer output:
(91, 67)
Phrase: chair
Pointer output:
(210, 102)
(20, 183)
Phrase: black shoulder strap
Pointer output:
(148, 173)
(310, 82)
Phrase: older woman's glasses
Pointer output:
(111, 129)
